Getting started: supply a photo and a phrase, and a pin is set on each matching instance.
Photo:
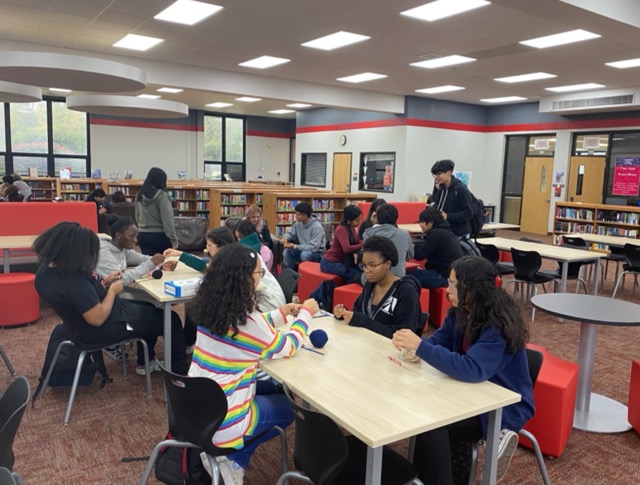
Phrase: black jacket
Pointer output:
(456, 202)
(440, 248)
(399, 308)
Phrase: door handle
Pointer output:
(548, 200)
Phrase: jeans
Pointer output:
(429, 278)
(339, 269)
(294, 256)
(153, 242)
(273, 410)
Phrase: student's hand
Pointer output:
(170, 265)
(157, 259)
(289, 245)
(341, 312)
(116, 287)
(102, 211)
(406, 339)
(444, 215)
(311, 305)
(291, 309)
(113, 276)
(171, 252)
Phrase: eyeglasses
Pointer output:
(436, 175)
(453, 285)
(261, 272)
(370, 266)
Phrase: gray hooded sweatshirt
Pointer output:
(400, 238)
(132, 264)
(156, 215)
(310, 235)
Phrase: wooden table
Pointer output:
(380, 402)
(594, 412)
(488, 227)
(616, 241)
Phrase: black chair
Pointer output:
(278, 254)
(12, 406)
(526, 265)
(632, 266)
(232, 222)
(491, 253)
(616, 255)
(574, 269)
(288, 280)
(534, 361)
(197, 408)
(7, 361)
(323, 455)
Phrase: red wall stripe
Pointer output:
(144, 124)
(269, 134)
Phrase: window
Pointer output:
(591, 144)
(542, 146)
(377, 171)
(314, 169)
(224, 147)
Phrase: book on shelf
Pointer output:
(33, 171)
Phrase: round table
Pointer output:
(593, 412)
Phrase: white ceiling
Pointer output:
(203, 59)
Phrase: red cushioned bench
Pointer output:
(634, 396)
(438, 306)
(311, 277)
(408, 212)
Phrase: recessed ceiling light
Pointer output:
(335, 41)
(299, 105)
(443, 62)
(187, 12)
(576, 87)
(533, 76)
(169, 90)
(264, 62)
(443, 8)
(624, 64)
(60, 90)
(137, 42)
(560, 39)
(248, 99)
(219, 105)
(504, 99)
(148, 96)
(440, 89)
(282, 111)
(362, 77)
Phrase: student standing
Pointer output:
(452, 197)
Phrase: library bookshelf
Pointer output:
(78, 189)
(42, 188)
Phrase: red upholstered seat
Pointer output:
(346, 295)
(438, 306)
(408, 212)
(311, 277)
(555, 400)
(634, 396)
(18, 299)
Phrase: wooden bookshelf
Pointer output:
(129, 187)
(78, 189)
(42, 188)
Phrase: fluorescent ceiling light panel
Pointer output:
(60, 90)
(335, 41)
(219, 105)
(299, 105)
(505, 99)
(624, 64)
(148, 96)
(169, 90)
(440, 89)
(264, 62)
(362, 77)
(137, 42)
(443, 8)
(575, 87)
(521, 78)
(248, 99)
(282, 111)
(443, 62)
(187, 12)
(560, 39)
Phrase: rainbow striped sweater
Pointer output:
(233, 362)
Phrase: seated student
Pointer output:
(23, 187)
(233, 335)
(254, 214)
(482, 338)
(247, 234)
(339, 259)
(387, 216)
(308, 234)
(440, 248)
(387, 303)
(97, 197)
(90, 305)
(371, 217)
(12, 194)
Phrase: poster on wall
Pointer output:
(464, 177)
(626, 176)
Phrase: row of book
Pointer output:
(569, 227)
(617, 216)
(571, 213)
(237, 199)
(232, 211)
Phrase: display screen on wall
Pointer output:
(377, 171)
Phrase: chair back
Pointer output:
(12, 406)
(320, 449)
(531, 240)
(574, 242)
(288, 280)
(197, 408)
(489, 252)
(632, 255)
(232, 222)
(6, 477)
(534, 361)
(525, 264)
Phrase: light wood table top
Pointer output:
(489, 226)
(379, 401)
(155, 288)
(548, 251)
(25, 241)
(617, 241)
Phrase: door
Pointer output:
(586, 179)
(536, 195)
(341, 172)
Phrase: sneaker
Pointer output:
(506, 448)
(154, 366)
(206, 464)
(230, 471)
(114, 353)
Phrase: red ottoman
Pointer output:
(311, 277)
(438, 306)
(18, 299)
(505, 256)
(555, 399)
(634, 396)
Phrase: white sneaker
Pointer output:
(114, 353)
(231, 472)
(506, 448)
(154, 366)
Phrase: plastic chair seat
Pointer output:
(12, 406)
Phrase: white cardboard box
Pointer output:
(180, 288)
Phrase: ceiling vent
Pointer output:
(604, 100)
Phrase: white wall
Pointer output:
(268, 157)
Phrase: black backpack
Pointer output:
(469, 248)
(477, 220)
(323, 294)
(181, 466)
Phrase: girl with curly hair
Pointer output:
(482, 338)
(232, 338)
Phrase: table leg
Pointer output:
(595, 277)
(374, 466)
(563, 281)
(490, 471)
(6, 258)
(167, 335)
